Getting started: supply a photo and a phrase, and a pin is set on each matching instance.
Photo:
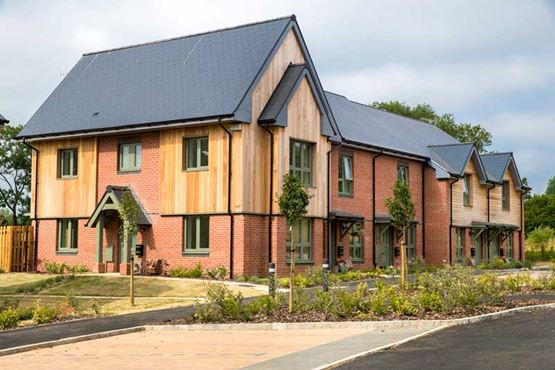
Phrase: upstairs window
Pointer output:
(403, 173)
(197, 234)
(196, 153)
(67, 163)
(67, 235)
(130, 157)
(505, 196)
(300, 161)
(467, 191)
(345, 175)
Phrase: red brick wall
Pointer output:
(437, 219)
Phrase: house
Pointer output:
(200, 131)
(3, 121)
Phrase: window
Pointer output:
(355, 242)
(345, 175)
(510, 251)
(505, 200)
(300, 161)
(467, 191)
(130, 157)
(197, 234)
(196, 153)
(411, 243)
(403, 173)
(303, 241)
(67, 163)
(459, 244)
(67, 235)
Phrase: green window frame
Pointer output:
(510, 249)
(356, 250)
(196, 231)
(67, 163)
(303, 241)
(505, 196)
(403, 173)
(346, 175)
(67, 235)
(300, 161)
(459, 244)
(467, 191)
(196, 153)
(130, 157)
(411, 242)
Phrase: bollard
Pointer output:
(272, 277)
(325, 273)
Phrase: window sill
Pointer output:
(358, 261)
(67, 178)
(346, 195)
(201, 169)
(66, 252)
(301, 263)
(196, 254)
(125, 172)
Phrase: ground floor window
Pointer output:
(411, 242)
(303, 240)
(67, 235)
(355, 242)
(459, 245)
(197, 234)
(510, 250)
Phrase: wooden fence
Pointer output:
(16, 248)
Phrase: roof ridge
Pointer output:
(500, 153)
(453, 144)
(336, 94)
(292, 17)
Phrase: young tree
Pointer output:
(129, 216)
(402, 211)
(464, 132)
(15, 173)
(293, 202)
(542, 237)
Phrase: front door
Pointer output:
(384, 256)
(478, 246)
(493, 248)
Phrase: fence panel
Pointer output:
(16, 248)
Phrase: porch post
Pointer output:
(99, 238)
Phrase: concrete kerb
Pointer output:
(370, 325)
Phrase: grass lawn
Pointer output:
(101, 294)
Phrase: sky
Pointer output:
(488, 62)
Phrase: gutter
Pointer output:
(451, 219)
(520, 246)
(378, 149)
(36, 246)
(374, 206)
(232, 218)
(271, 208)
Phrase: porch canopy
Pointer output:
(346, 220)
(493, 229)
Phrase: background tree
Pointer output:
(528, 195)
(293, 202)
(15, 173)
(463, 132)
(550, 190)
(129, 216)
(539, 210)
(402, 211)
(541, 237)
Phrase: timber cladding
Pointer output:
(478, 210)
(72, 197)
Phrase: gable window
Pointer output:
(403, 173)
(303, 240)
(459, 245)
(345, 175)
(355, 243)
(505, 201)
(67, 235)
(67, 163)
(196, 153)
(300, 161)
(130, 157)
(467, 191)
(197, 234)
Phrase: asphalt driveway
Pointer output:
(522, 341)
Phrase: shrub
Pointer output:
(212, 273)
(44, 314)
(429, 300)
(222, 272)
(79, 269)
(9, 318)
(491, 289)
(183, 272)
(221, 305)
(56, 268)
(516, 282)
(264, 305)
(2, 270)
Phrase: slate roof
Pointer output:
(362, 124)
(3, 120)
(200, 76)
(118, 192)
(453, 157)
(282, 93)
(496, 164)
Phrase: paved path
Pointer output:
(523, 341)
(180, 349)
